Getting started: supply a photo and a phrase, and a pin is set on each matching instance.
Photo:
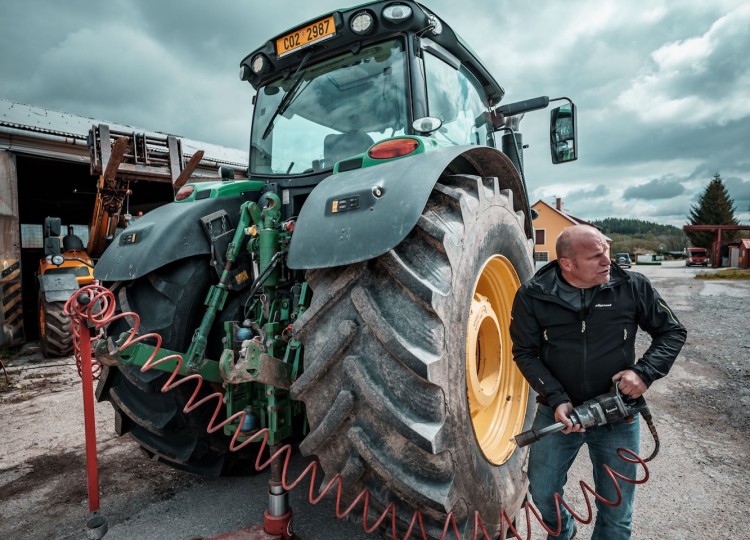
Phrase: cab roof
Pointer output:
(422, 23)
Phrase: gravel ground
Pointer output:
(697, 485)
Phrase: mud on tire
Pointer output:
(385, 380)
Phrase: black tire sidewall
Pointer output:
(178, 290)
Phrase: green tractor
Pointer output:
(355, 291)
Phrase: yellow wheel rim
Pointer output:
(496, 390)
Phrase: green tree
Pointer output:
(636, 236)
(715, 207)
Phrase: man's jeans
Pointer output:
(552, 456)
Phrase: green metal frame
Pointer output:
(259, 386)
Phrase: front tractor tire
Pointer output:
(409, 382)
(55, 329)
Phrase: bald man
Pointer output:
(573, 328)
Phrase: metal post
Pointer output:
(96, 526)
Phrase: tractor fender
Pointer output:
(57, 287)
(166, 234)
(360, 214)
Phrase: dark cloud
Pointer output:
(700, 79)
(737, 188)
(600, 191)
(739, 191)
(717, 61)
(660, 188)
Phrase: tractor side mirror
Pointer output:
(51, 235)
(52, 227)
(563, 136)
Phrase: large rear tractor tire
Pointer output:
(409, 381)
(55, 329)
(169, 302)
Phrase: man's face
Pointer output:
(589, 265)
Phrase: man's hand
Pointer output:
(630, 383)
(561, 415)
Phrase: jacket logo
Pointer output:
(604, 306)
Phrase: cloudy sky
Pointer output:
(662, 87)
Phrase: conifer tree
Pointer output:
(715, 207)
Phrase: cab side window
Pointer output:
(454, 97)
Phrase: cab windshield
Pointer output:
(329, 111)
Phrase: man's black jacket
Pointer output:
(571, 355)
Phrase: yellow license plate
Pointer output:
(308, 35)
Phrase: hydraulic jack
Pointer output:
(277, 518)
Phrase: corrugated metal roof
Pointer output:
(34, 121)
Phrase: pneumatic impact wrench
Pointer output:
(599, 411)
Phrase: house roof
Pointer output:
(574, 220)
(567, 215)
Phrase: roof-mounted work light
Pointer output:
(362, 23)
(397, 13)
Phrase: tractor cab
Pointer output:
(338, 88)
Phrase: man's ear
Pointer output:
(564, 263)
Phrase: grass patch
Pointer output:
(727, 273)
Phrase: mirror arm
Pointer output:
(498, 114)
(561, 98)
(527, 105)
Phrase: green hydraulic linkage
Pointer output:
(264, 221)
(138, 354)
(273, 362)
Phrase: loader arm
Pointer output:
(132, 157)
(110, 196)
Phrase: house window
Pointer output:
(540, 236)
(541, 256)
